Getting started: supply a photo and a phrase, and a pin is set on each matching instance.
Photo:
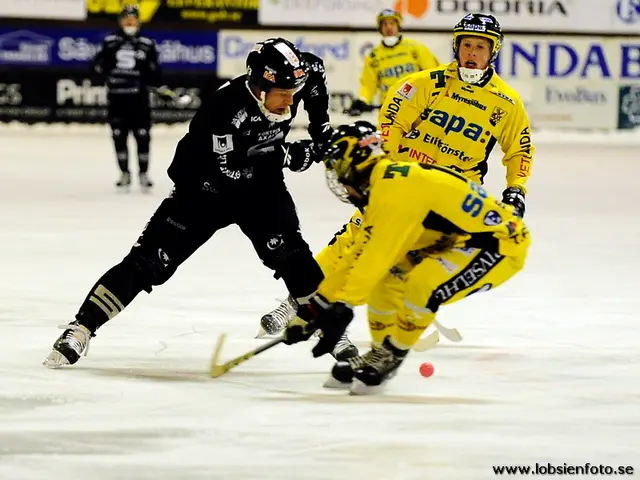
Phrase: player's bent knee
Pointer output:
(150, 270)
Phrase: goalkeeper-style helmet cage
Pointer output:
(352, 153)
(388, 13)
(479, 25)
(275, 63)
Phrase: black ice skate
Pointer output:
(274, 322)
(124, 182)
(70, 346)
(344, 370)
(145, 182)
(380, 367)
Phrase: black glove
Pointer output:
(514, 196)
(319, 314)
(321, 135)
(300, 155)
(357, 108)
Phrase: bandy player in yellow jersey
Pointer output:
(392, 59)
(429, 237)
(455, 114)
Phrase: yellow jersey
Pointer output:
(384, 66)
(424, 210)
(434, 117)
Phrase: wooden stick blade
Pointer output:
(215, 369)
(428, 342)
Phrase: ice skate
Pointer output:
(145, 182)
(344, 349)
(124, 182)
(274, 322)
(70, 346)
(343, 370)
(379, 368)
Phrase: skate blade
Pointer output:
(332, 383)
(360, 388)
(55, 360)
(262, 334)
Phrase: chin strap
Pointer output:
(272, 117)
(130, 31)
(391, 41)
(472, 75)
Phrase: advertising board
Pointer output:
(567, 16)
(75, 47)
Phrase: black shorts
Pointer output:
(129, 113)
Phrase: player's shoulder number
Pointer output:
(394, 169)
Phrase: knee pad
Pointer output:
(143, 138)
(119, 139)
(279, 250)
(294, 263)
(151, 269)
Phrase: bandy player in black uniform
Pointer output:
(228, 169)
(128, 63)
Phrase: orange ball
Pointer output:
(426, 369)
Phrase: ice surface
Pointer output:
(548, 370)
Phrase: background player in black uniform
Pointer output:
(128, 64)
(228, 169)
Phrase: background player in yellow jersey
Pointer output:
(455, 114)
(392, 59)
(429, 237)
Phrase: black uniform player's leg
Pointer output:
(271, 223)
(142, 133)
(174, 232)
(269, 219)
(117, 117)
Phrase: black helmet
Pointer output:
(276, 63)
(352, 153)
(479, 25)
(130, 10)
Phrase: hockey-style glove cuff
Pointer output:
(357, 108)
(515, 196)
(319, 314)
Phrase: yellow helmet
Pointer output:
(479, 25)
(352, 153)
(389, 13)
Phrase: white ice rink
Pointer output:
(548, 371)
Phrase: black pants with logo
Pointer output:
(185, 220)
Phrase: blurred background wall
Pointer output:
(576, 63)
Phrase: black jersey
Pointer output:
(230, 138)
(128, 64)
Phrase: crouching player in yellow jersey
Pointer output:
(392, 59)
(452, 116)
(455, 114)
(429, 237)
